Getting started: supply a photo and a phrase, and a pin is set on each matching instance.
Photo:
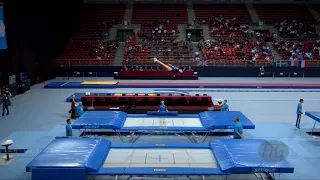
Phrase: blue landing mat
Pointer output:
(76, 85)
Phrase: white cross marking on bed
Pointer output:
(166, 122)
(193, 158)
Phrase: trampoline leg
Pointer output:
(189, 177)
(205, 138)
(203, 177)
(133, 140)
(314, 126)
(116, 178)
(190, 139)
(119, 135)
(194, 137)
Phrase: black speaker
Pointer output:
(204, 94)
(158, 94)
(136, 94)
(123, 94)
(170, 94)
(197, 94)
(182, 94)
(108, 95)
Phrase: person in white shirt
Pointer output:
(173, 32)
(165, 31)
(159, 31)
(189, 36)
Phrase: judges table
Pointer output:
(140, 104)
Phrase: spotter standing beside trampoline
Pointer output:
(238, 129)
(168, 67)
(162, 107)
(299, 113)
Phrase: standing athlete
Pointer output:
(299, 113)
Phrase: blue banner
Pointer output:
(3, 40)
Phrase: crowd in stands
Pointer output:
(90, 50)
(165, 50)
(233, 38)
(158, 29)
(298, 50)
(241, 49)
(224, 28)
(296, 29)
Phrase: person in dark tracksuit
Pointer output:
(299, 113)
(5, 104)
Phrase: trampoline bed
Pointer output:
(121, 122)
(75, 158)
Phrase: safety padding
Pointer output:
(87, 153)
(156, 113)
(315, 115)
(244, 156)
(223, 120)
(161, 145)
(159, 171)
(101, 120)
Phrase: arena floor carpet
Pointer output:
(39, 115)
(103, 84)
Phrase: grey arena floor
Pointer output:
(39, 115)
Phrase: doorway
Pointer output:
(196, 34)
(124, 34)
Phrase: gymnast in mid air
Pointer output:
(168, 67)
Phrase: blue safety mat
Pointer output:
(315, 115)
(69, 153)
(248, 155)
(224, 120)
(77, 85)
(101, 120)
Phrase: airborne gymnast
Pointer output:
(168, 67)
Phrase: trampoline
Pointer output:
(315, 115)
(159, 122)
(75, 158)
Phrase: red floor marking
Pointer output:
(214, 84)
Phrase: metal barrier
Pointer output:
(85, 74)
(281, 74)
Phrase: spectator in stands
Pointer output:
(173, 32)
(69, 128)
(80, 110)
(296, 29)
(5, 104)
(162, 107)
(237, 129)
(189, 36)
(106, 56)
